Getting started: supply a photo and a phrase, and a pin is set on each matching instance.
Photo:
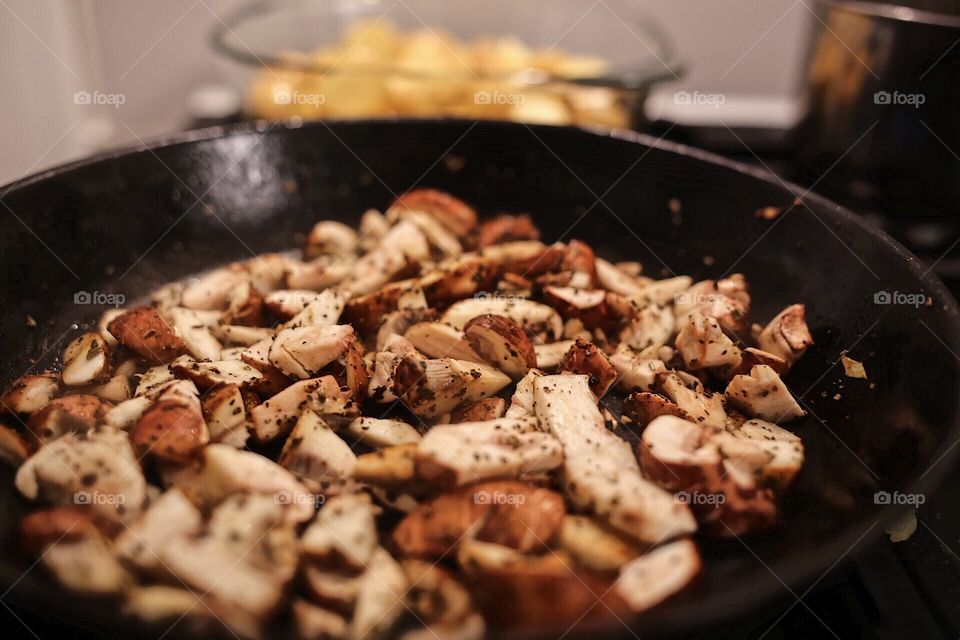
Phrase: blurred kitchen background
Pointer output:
(158, 56)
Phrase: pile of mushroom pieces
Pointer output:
(406, 432)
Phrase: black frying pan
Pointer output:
(128, 221)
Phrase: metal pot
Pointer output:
(884, 99)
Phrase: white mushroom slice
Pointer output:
(258, 357)
(86, 566)
(676, 453)
(254, 527)
(267, 271)
(154, 380)
(125, 414)
(437, 235)
(245, 596)
(320, 273)
(702, 406)
(542, 322)
(431, 388)
(287, 303)
(439, 340)
(595, 545)
(378, 432)
(513, 251)
(601, 474)
(549, 356)
(380, 602)
(324, 310)
(636, 372)
(412, 299)
(659, 292)
(212, 290)
(373, 226)
(170, 516)
(240, 335)
(315, 623)
(763, 395)
(98, 468)
(506, 448)
(277, 415)
(116, 389)
(30, 393)
(705, 298)
(199, 340)
(503, 343)
(612, 278)
(655, 576)
(244, 306)
(787, 335)
(345, 531)
(402, 244)
(232, 353)
(86, 360)
(649, 330)
(522, 403)
(330, 237)
(317, 455)
(703, 344)
(209, 374)
(303, 352)
(227, 471)
(782, 451)
(225, 415)
(106, 318)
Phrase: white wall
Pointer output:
(153, 53)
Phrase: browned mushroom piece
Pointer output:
(687, 392)
(543, 591)
(581, 261)
(586, 359)
(225, 414)
(510, 513)
(457, 280)
(245, 306)
(787, 335)
(304, 352)
(439, 340)
(453, 213)
(507, 228)
(366, 312)
(172, 429)
(751, 357)
(703, 345)
(642, 407)
(47, 526)
(502, 343)
(147, 334)
(273, 380)
(330, 238)
(480, 410)
(30, 393)
(67, 414)
(588, 305)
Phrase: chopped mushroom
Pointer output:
(463, 453)
(636, 372)
(480, 410)
(172, 429)
(507, 228)
(763, 395)
(317, 455)
(703, 345)
(169, 516)
(345, 531)
(601, 474)
(439, 340)
(98, 469)
(787, 335)
(30, 393)
(510, 513)
(541, 322)
(585, 358)
(147, 334)
(454, 214)
(501, 342)
(195, 334)
(287, 303)
(303, 352)
(380, 599)
(389, 467)
(379, 432)
(549, 356)
(209, 374)
(86, 566)
(330, 237)
(212, 290)
(595, 545)
(456, 280)
(522, 404)
(431, 388)
(276, 416)
(225, 415)
(688, 393)
(86, 360)
(66, 414)
(658, 574)
(324, 310)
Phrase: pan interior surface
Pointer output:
(126, 223)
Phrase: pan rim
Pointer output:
(849, 542)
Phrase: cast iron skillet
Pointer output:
(128, 221)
